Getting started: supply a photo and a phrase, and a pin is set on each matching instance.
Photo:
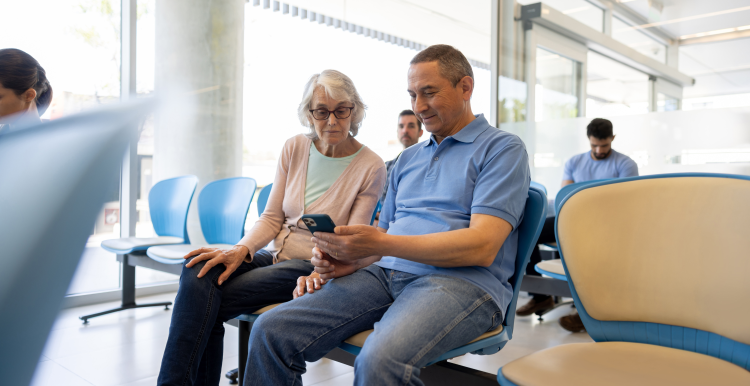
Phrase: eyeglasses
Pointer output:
(340, 113)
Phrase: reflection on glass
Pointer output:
(512, 100)
(638, 40)
(614, 88)
(666, 103)
(556, 86)
(581, 10)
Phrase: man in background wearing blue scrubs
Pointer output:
(434, 274)
(602, 162)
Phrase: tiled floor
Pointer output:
(126, 348)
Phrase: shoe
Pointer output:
(533, 306)
(572, 323)
(233, 375)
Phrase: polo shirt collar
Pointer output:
(469, 133)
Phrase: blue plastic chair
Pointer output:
(222, 209)
(615, 275)
(375, 213)
(263, 198)
(169, 201)
(539, 186)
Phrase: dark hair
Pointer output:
(19, 72)
(452, 63)
(599, 128)
(409, 112)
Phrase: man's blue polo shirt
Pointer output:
(436, 188)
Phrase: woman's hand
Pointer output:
(330, 268)
(309, 284)
(231, 258)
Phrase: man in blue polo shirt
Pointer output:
(602, 161)
(434, 274)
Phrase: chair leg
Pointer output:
(558, 303)
(244, 328)
(127, 278)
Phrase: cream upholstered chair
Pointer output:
(659, 274)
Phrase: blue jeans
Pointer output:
(416, 319)
(196, 334)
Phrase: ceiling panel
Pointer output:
(679, 9)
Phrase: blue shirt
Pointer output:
(436, 188)
(581, 168)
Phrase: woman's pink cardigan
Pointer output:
(350, 200)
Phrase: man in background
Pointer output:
(602, 162)
(409, 131)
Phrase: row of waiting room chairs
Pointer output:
(222, 210)
(623, 273)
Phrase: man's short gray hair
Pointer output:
(452, 63)
(337, 86)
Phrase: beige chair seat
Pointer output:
(359, 339)
(554, 266)
(266, 308)
(128, 243)
(622, 363)
(178, 252)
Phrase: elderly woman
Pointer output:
(326, 172)
(25, 92)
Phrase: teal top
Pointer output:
(322, 172)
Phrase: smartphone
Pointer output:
(318, 223)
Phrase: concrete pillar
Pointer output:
(199, 71)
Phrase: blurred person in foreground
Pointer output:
(602, 162)
(25, 92)
(326, 171)
(434, 274)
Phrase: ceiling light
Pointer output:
(694, 17)
(715, 32)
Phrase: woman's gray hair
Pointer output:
(337, 86)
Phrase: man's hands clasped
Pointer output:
(231, 258)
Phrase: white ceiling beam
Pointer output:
(555, 20)
(716, 38)
(636, 18)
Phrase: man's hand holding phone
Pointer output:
(329, 268)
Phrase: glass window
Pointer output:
(556, 86)
(378, 69)
(613, 88)
(512, 94)
(79, 48)
(666, 103)
(581, 10)
(145, 67)
(638, 40)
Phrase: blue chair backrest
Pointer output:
(567, 189)
(539, 186)
(263, 198)
(528, 234)
(375, 213)
(222, 208)
(168, 202)
(704, 214)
